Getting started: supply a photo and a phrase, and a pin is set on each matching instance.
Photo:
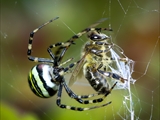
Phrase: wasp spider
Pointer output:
(47, 78)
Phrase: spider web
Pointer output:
(135, 25)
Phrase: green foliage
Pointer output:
(10, 113)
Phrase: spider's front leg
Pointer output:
(57, 59)
(68, 43)
(37, 59)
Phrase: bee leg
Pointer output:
(112, 75)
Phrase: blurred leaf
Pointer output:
(10, 113)
(29, 117)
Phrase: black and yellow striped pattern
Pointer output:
(46, 80)
(39, 80)
(36, 59)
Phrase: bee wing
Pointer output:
(77, 69)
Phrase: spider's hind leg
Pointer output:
(63, 106)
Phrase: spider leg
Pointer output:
(78, 108)
(73, 38)
(60, 44)
(53, 46)
(79, 98)
(65, 62)
(78, 35)
(36, 59)
(69, 67)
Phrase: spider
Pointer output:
(47, 78)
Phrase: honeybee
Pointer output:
(98, 61)
(103, 63)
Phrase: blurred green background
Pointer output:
(135, 25)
